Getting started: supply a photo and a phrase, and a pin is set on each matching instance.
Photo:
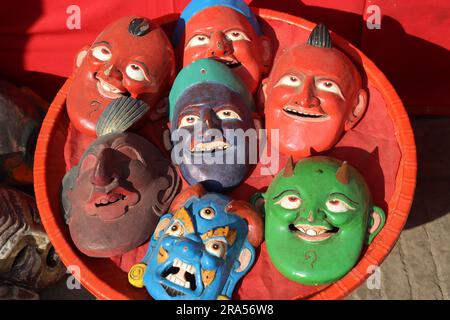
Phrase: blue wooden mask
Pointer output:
(201, 249)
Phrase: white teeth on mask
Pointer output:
(301, 112)
(311, 232)
(179, 277)
(209, 146)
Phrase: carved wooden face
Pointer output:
(226, 35)
(312, 96)
(113, 198)
(130, 57)
(27, 257)
(209, 113)
(199, 252)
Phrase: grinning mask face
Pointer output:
(228, 32)
(131, 57)
(312, 96)
(319, 214)
(209, 105)
(201, 250)
(115, 195)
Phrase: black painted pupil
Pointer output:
(215, 246)
(227, 113)
(235, 34)
(135, 67)
(207, 211)
(174, 228)
(105, 51)
(293, 79)
(328, 84)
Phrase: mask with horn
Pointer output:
(318, 216)
(312, 96)
(201, 248)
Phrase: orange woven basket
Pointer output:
(106, 281)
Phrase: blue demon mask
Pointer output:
(201, 249)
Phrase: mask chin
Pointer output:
(215, 177)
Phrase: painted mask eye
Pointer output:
(198, 40)
(228, 114)
(329, 86)
(176, 229)
(188, 120)
(236, 35)
(289, 81)
(337, 205)
(102, 53)
(290, 202)
(216, 247)
(207, 213)
(135, 72)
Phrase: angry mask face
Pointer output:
(202, 249)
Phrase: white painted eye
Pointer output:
(337, 205)
(290, 202)
(216, 247)
(135, 72)
(329, 86)
(198, 40)
(102, 53)
(236, 35)
(228, 114)
(188, 120)
(207, 213)
(176, 229)
(289, 81)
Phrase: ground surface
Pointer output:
(419, 265)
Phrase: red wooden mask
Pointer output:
(131, 57)
(313, 94)
(226, 35)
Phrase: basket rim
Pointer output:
(398, 206)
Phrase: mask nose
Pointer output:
(188, 248)
(219, 45)
(307, 98)
(311, 215)
(209, 118)
(103, 175)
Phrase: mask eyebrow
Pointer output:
(144, 66)
(185, 218)
(226, 232)
(106, 43)
(344, 196)
(284, 192)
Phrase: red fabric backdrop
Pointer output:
(37, 48)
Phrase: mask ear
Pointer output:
(169, 188)
(80, 57)
(258, 201)
(262, 96)
(241, 266)
(376, 223)
(357, 111)
(266, 53)
(162, 225)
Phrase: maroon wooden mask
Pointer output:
(113, 198)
